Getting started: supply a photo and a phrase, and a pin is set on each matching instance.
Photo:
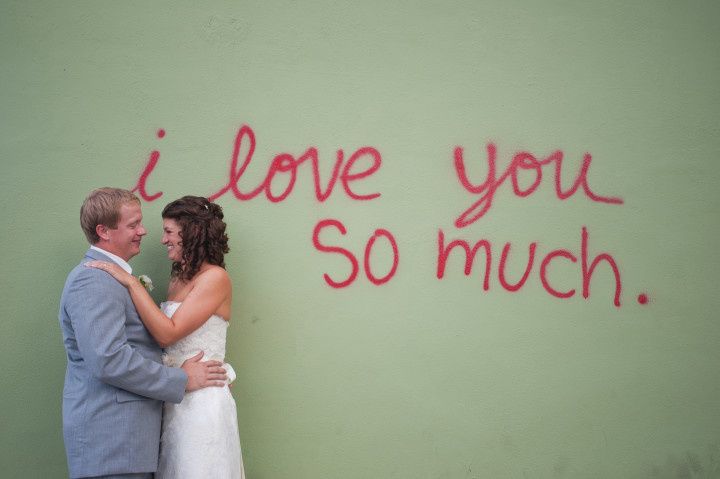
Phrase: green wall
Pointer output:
(419, 377)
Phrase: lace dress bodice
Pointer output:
(210, 338)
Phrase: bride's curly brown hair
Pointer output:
(202, 230)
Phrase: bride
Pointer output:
(199, 435)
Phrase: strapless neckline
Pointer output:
(169, 302)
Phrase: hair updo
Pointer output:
(202, 230)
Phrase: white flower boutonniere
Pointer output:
(146, 282)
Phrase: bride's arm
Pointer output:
(211, 289)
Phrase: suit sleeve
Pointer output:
(96, 308)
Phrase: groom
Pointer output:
(115, 382)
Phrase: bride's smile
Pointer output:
(172, 240)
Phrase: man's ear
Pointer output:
(102, 232)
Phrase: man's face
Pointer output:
(124, 240)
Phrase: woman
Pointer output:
(200, 435)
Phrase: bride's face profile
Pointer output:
(172, 240)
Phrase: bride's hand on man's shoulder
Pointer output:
(114, 270)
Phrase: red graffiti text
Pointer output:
(587, 267)
(521, 161)
(354, 264)
(282, 172)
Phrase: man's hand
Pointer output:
(203, 374)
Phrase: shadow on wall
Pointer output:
(689, 466)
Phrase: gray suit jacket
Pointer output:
(115, 382)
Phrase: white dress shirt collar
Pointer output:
(121, 262)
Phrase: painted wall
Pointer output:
(361, 151)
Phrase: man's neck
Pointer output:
(121, 262)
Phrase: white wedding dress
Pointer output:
(200, 435)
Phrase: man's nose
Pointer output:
(141, 230)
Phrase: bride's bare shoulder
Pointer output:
(213, 274)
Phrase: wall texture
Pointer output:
(363, 152)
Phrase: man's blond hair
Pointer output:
(102, 207)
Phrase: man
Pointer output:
(115, 382)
